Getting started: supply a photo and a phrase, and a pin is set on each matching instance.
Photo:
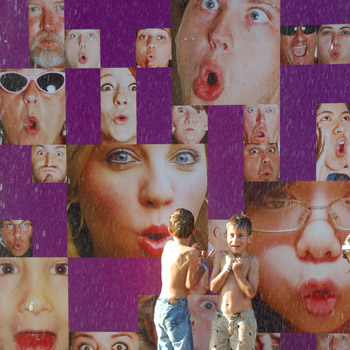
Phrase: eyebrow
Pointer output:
(82, 335)
(330, 27)
(272, 3)
(330, 112)
(117, 335)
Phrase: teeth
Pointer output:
(341, 143)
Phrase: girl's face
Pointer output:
(127, 194)
(34, 303)
(118, 105)
(104, 341)
(302, 273)
(333, 119)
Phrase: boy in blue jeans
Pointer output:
(180, 273)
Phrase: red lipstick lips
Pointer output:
(82, 58)
(120, 119)
(340, 149)
(319, 297)
(33, 340)
(31, 125)
(153, 239)
(210, 83)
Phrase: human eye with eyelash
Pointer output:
(143, 37)
(212, 5)
(207, 305)
(346, 118)
(61, 8)
(33, 9)
(345, 33)
(91, 35)
(326, 32)
(122, 156)
(7, 268)
(60, 268)
(185, 157)
(59, 154)
(254, 151)
(161, 37)
(252, 109)
(85, 347)
(325, 118)
(258, 16)
(132, 87)
(107, 87)
(120, 346)
(270, 110)
(271, 149)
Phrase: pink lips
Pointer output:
(210, 82)
(319, 296)
(34, 340)
(153, 239)
(31, 125)
(120, 119)
(83, 58)
(340, 148)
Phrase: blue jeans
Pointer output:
(173, 325)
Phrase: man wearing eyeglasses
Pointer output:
(46, 33)
(16, 238)
(298, 45)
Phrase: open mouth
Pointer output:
(120, 119)
(153, 239)
(266, 173)
(210, 82)
(299, 51)
(31, 125)
(150, 58)
(18, 245)
(340, 148)
(83, 58)
(35, 340)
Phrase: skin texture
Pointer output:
(229, 37)
(46, 33)
(104, 341)
(34, 297)
(333, 129)
(48, 109)
(217, 234)
(189, 124)
(49, 163)
(261, 123)
(333, 44)
(118, 105)
(261, 162)
(332, 341)
(153, 47)
(148, 182)
(292, 260)
(298, 48)
(83, 48)
(17, 240)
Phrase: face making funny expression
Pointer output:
(83, 48)
(104, 341)
(153, 47)
(261, 162)
(333, 123)
(34, 303)
(32, 106)
(17, 236)
(49, 163)
(261, 123)
(189, 124)
(218, 45)
(46, 33)
(329, 341)
(333, 44)
(147, 182)
(118, 105)
(298, 231)
(298, 47)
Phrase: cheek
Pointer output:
(33, 29)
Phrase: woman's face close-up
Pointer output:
(128, 192)
(104, 341)
(298, 234)
(333, 121)
(34, 303)
(118, 105)
(32, 116)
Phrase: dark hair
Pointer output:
(181, 223)
(240, 221)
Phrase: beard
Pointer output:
(47, 56)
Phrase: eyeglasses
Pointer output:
(23, 226)
(291, 30)
(288, 215)
(48, 82)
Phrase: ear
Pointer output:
(217, 232)
(250, 237)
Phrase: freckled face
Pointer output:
(332, 341)
(16, 235)
(333, 44)
(153, 47)
(118, 105)
(83, 48)
(302, 272)
(32, 116)
(218, 46)
(147, 182)
(34, 303)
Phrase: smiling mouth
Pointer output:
(35, 340)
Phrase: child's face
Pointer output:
(237, 239)
(153, 47)
(83, 48)
(302, 273)
(34, 303)
(332, 341)
(104, 341)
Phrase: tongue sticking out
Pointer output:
(83, 59)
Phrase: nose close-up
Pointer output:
(48, 159)
(82, 41)
(221, 34)
(260, 118)
(120, 97)
(48, 20)
(30, 94)
(151, 43)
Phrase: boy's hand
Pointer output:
(229, 261)
(207, 260)
(237, 264)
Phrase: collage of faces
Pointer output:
(90, 169)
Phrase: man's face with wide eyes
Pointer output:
(228, 52)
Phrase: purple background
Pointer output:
(103, 291)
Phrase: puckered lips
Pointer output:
(35, 340)
(83, 58)
(266, 173)
(340, 148)
(210, 82)
(32, 125)
(153, 239)
(319, 296)
(120, 119)
(150, 57)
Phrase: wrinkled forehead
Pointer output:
(49, 148)
(45, 2)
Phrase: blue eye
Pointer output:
(210, 5)
(91, 35)
(60, 269)
(7, 269)
(270, 110)
(34, 8)
(73, 36)
(186, 157)
(271, 150)
(254, 151)
(258, 16)
(143, 37)
(252, 109)
(61, 7)
(208, 305)
(122, 156)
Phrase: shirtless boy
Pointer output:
(236, 277)
(180, 273)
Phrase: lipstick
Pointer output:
(153, 239)
(35, 340)
(31, 125)
(340, 148)
(120, 119)
(83, 58)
